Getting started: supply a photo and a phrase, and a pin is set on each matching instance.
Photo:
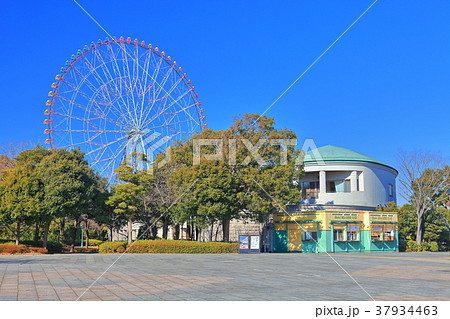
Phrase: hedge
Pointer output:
(112, 247)
(413, 246)
(94, 242)
(169, 247)
(21, 249)
(52, 246)
(182, 247)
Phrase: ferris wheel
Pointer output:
(120, 97)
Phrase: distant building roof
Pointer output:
(331, 153)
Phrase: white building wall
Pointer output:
(374, 180)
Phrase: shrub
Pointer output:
(21, 249)
(112, 247)
(425, 246)
(38, 250)
(430, 246)
(434, 247)
(52, 246)
(13, 249)
(402, 245)
(182, 247)
(94, 242)
(412, 245)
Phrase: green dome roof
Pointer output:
(332, 153)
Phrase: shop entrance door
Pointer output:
(294, 237)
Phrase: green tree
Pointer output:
(127, 198)
(70, 188)
(244, 172)
(437, 226)
(22, 191)
(19, 199)
(423, 178)
(33, 157)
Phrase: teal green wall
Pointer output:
(280, 241)
(325, 240)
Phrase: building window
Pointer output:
(361, 182)
(310, 232)
(340, 186)
(376, 232)
(391, 190)
(310, 236)
(388, 234)
(352, 232)
(339, 232)
(382, 232)
(310, 190)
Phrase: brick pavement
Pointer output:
(404, 276)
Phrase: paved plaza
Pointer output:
(389, 276)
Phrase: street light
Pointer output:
(82, 235)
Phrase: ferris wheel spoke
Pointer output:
(85, 80)
(168, 124)
(172, 104)
(87, 109)
(126, 68)
(156, 82)
(92, 131)
(110, 163)
(115, 91)
(144, 87)
(165, 97)
(101, 146)
(99, 155)
(115, 98)
(116, 69)
(136, 66)
(86, 96)
(111, 160)
(76, 88)
(69, 146)
(126, 53)
(163, 83)
(100, 81)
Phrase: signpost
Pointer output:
(249, 244)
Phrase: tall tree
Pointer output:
(19, 199)
(70, 187)
(271, 180)
(21, 192)
(127, 198)
(243, 172)
(33, 157)
(422, 177)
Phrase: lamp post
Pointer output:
(82, 235)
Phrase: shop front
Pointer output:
(330, 231)
(297, 232)
(383, 232)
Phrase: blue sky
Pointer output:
(383, 87)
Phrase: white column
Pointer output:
(353, 181)
(323, 182)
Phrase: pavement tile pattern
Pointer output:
(390, 276)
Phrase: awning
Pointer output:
(382, 222)
(345, 221)
(299, 222)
